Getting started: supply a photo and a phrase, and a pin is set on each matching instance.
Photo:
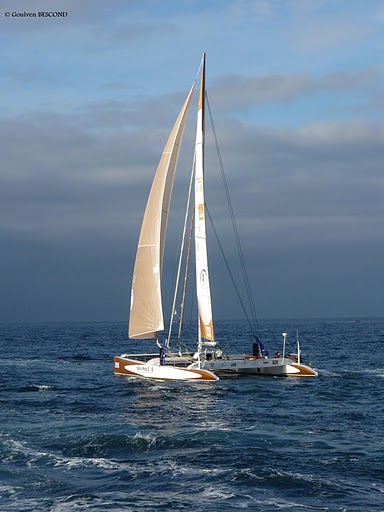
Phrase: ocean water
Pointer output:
(74, 437)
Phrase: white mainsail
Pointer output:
(146, 316)
(202, 274)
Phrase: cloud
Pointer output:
(68, 174)
(238, 91)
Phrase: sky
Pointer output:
(88, 100)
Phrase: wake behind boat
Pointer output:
(146, 314)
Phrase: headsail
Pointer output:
(146, 317)
(202, 274)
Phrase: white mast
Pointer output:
(298, 347)
(284, 336)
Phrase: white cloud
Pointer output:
(243, 92)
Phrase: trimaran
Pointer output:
(146, 314)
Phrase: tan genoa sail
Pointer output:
(146, 315)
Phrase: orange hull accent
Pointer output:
(304, 371)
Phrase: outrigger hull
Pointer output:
(152, 370)
(277, 367)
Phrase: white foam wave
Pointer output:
(19, 447)
(280, 504)
(34, 456)
(216, 493)
(43, 387)
(6, 490)
(87, 462)
(378, 372)
(328, 373)
(377, 488)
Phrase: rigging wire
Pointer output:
(230, 271)
(181, 253)
(234, 226)
(182, 305)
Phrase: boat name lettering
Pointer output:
(144, 368)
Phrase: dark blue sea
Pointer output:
(75, 437)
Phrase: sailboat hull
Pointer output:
(152, 370)
(181, 368)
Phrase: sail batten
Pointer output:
(146, 315)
